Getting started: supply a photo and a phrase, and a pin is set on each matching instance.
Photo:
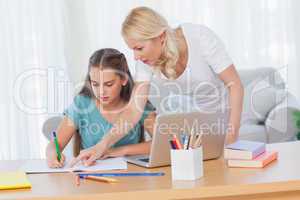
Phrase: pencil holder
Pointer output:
(187, 164)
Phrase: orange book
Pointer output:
(258, 162)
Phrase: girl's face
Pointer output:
(106, 85)
(147, 51)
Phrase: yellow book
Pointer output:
(14, 180)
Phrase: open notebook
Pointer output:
(40, 166)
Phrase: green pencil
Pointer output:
(57, 146)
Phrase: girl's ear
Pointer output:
(124, 81)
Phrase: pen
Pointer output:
(182, 138)
(176, 142)
(186, 141)
(82, 175)
(191, 139)
(56, 146)
(173, 146)
(198, 141)
(100, 179)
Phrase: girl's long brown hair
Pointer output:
(107, 58)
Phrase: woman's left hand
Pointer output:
(114, 152)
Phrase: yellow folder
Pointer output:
(13, 180)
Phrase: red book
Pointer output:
(258, 162)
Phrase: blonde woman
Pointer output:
(190, 56)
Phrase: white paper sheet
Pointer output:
(40, 166)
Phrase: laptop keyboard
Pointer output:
(144, 159)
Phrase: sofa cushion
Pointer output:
(253, 132)
(262, 92)
(280, 126)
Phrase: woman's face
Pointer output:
(106, 85)
(147, 51)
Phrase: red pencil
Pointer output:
(176, 142)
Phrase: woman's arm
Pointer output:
(65, 132)
(125, 122)
(127, 150)
(135, 149)
(236, 93)
(130, 116)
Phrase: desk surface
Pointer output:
(281, 176)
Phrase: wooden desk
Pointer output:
(279, 180)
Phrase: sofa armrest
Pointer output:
(50, 125)
(280, 126)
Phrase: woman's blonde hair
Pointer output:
(143, 23)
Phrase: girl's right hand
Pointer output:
(53, 162)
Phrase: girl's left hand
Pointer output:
(114, 152)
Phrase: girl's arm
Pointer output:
(65, 132)
(126, 121)
(236, 93)
(135, 149)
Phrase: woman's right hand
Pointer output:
(89, 156)
(52, 160)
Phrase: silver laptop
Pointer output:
(212, 125)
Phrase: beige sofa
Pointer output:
(268, 106)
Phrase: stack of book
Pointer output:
(248, 154)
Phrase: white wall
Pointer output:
(57, 35)
(256, 33)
